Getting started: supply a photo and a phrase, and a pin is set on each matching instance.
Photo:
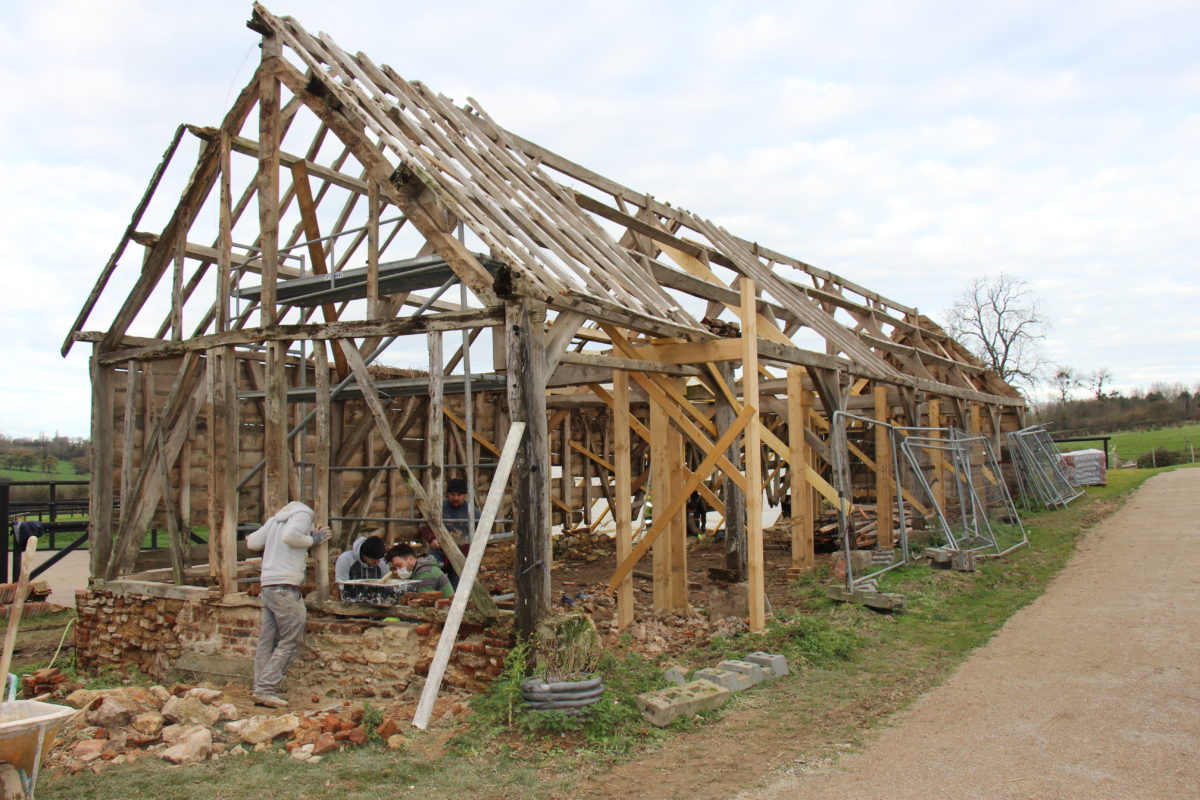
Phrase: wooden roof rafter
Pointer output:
(580, 243)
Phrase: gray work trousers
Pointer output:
(280, 637)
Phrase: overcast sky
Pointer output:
(910, 147)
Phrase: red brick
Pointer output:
(389, 727)
(324, 744)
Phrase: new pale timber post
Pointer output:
(753, 446)
(884, 496)
(733, 496)
(525, 367)
(623, 492)
(799, 403)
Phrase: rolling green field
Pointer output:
(64, 473)
(1131, 444)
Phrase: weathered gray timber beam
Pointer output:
(612, 362)
(210, 255)
(446, 321)
(194, 194)
(251, 148)
(134, 221)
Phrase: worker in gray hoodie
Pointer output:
(284, 540)
(362, 561)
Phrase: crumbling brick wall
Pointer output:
(342, 657)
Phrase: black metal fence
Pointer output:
(47, 517)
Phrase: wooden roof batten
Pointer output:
(442, 165)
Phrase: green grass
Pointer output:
(64, 473)
(852, 667)
(1132, 444)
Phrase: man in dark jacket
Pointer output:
(457, 513)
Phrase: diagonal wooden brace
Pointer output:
(663, 517)
(483, 600)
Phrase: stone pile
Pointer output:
(582, 544)
(674, 632)
(189, 724)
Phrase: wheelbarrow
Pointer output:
(27, 729)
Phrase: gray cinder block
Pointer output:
(664, 706)
(773, 663)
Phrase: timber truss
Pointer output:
(642, 345)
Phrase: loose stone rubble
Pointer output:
(187, 724)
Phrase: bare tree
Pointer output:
(1000, 320)
(1097, 380)
(1064, 380)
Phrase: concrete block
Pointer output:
(674, 675)
(726, 678)
(753, 672)
(963, 560)
(664, 706)
(772, 663)
(883, 601)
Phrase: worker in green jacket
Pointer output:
(405, 564)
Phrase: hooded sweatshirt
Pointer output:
(350, 566)
(284, 540)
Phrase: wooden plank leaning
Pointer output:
(483, 601)
(14, 615)
(467, 575)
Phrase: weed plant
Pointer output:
(612, 725)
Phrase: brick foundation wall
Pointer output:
(342, 657)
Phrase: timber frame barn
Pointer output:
(642, 345)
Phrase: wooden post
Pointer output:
(178, 560)
(221, 384)
(321, 478)
(799, 402)
(939, 474)
(525, 360)
(435, 432)
(222, 466)
(129, 438)
(660, 494)
(100, 488)
(275, 402)
(566, 483)
(373, 207)
(623, 491)
(884, 496)
(734, 497)
(677, 599)
(753, 468)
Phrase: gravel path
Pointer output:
(1091, 692)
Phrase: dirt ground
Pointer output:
(1091, 692)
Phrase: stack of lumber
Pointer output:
(862, 521)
